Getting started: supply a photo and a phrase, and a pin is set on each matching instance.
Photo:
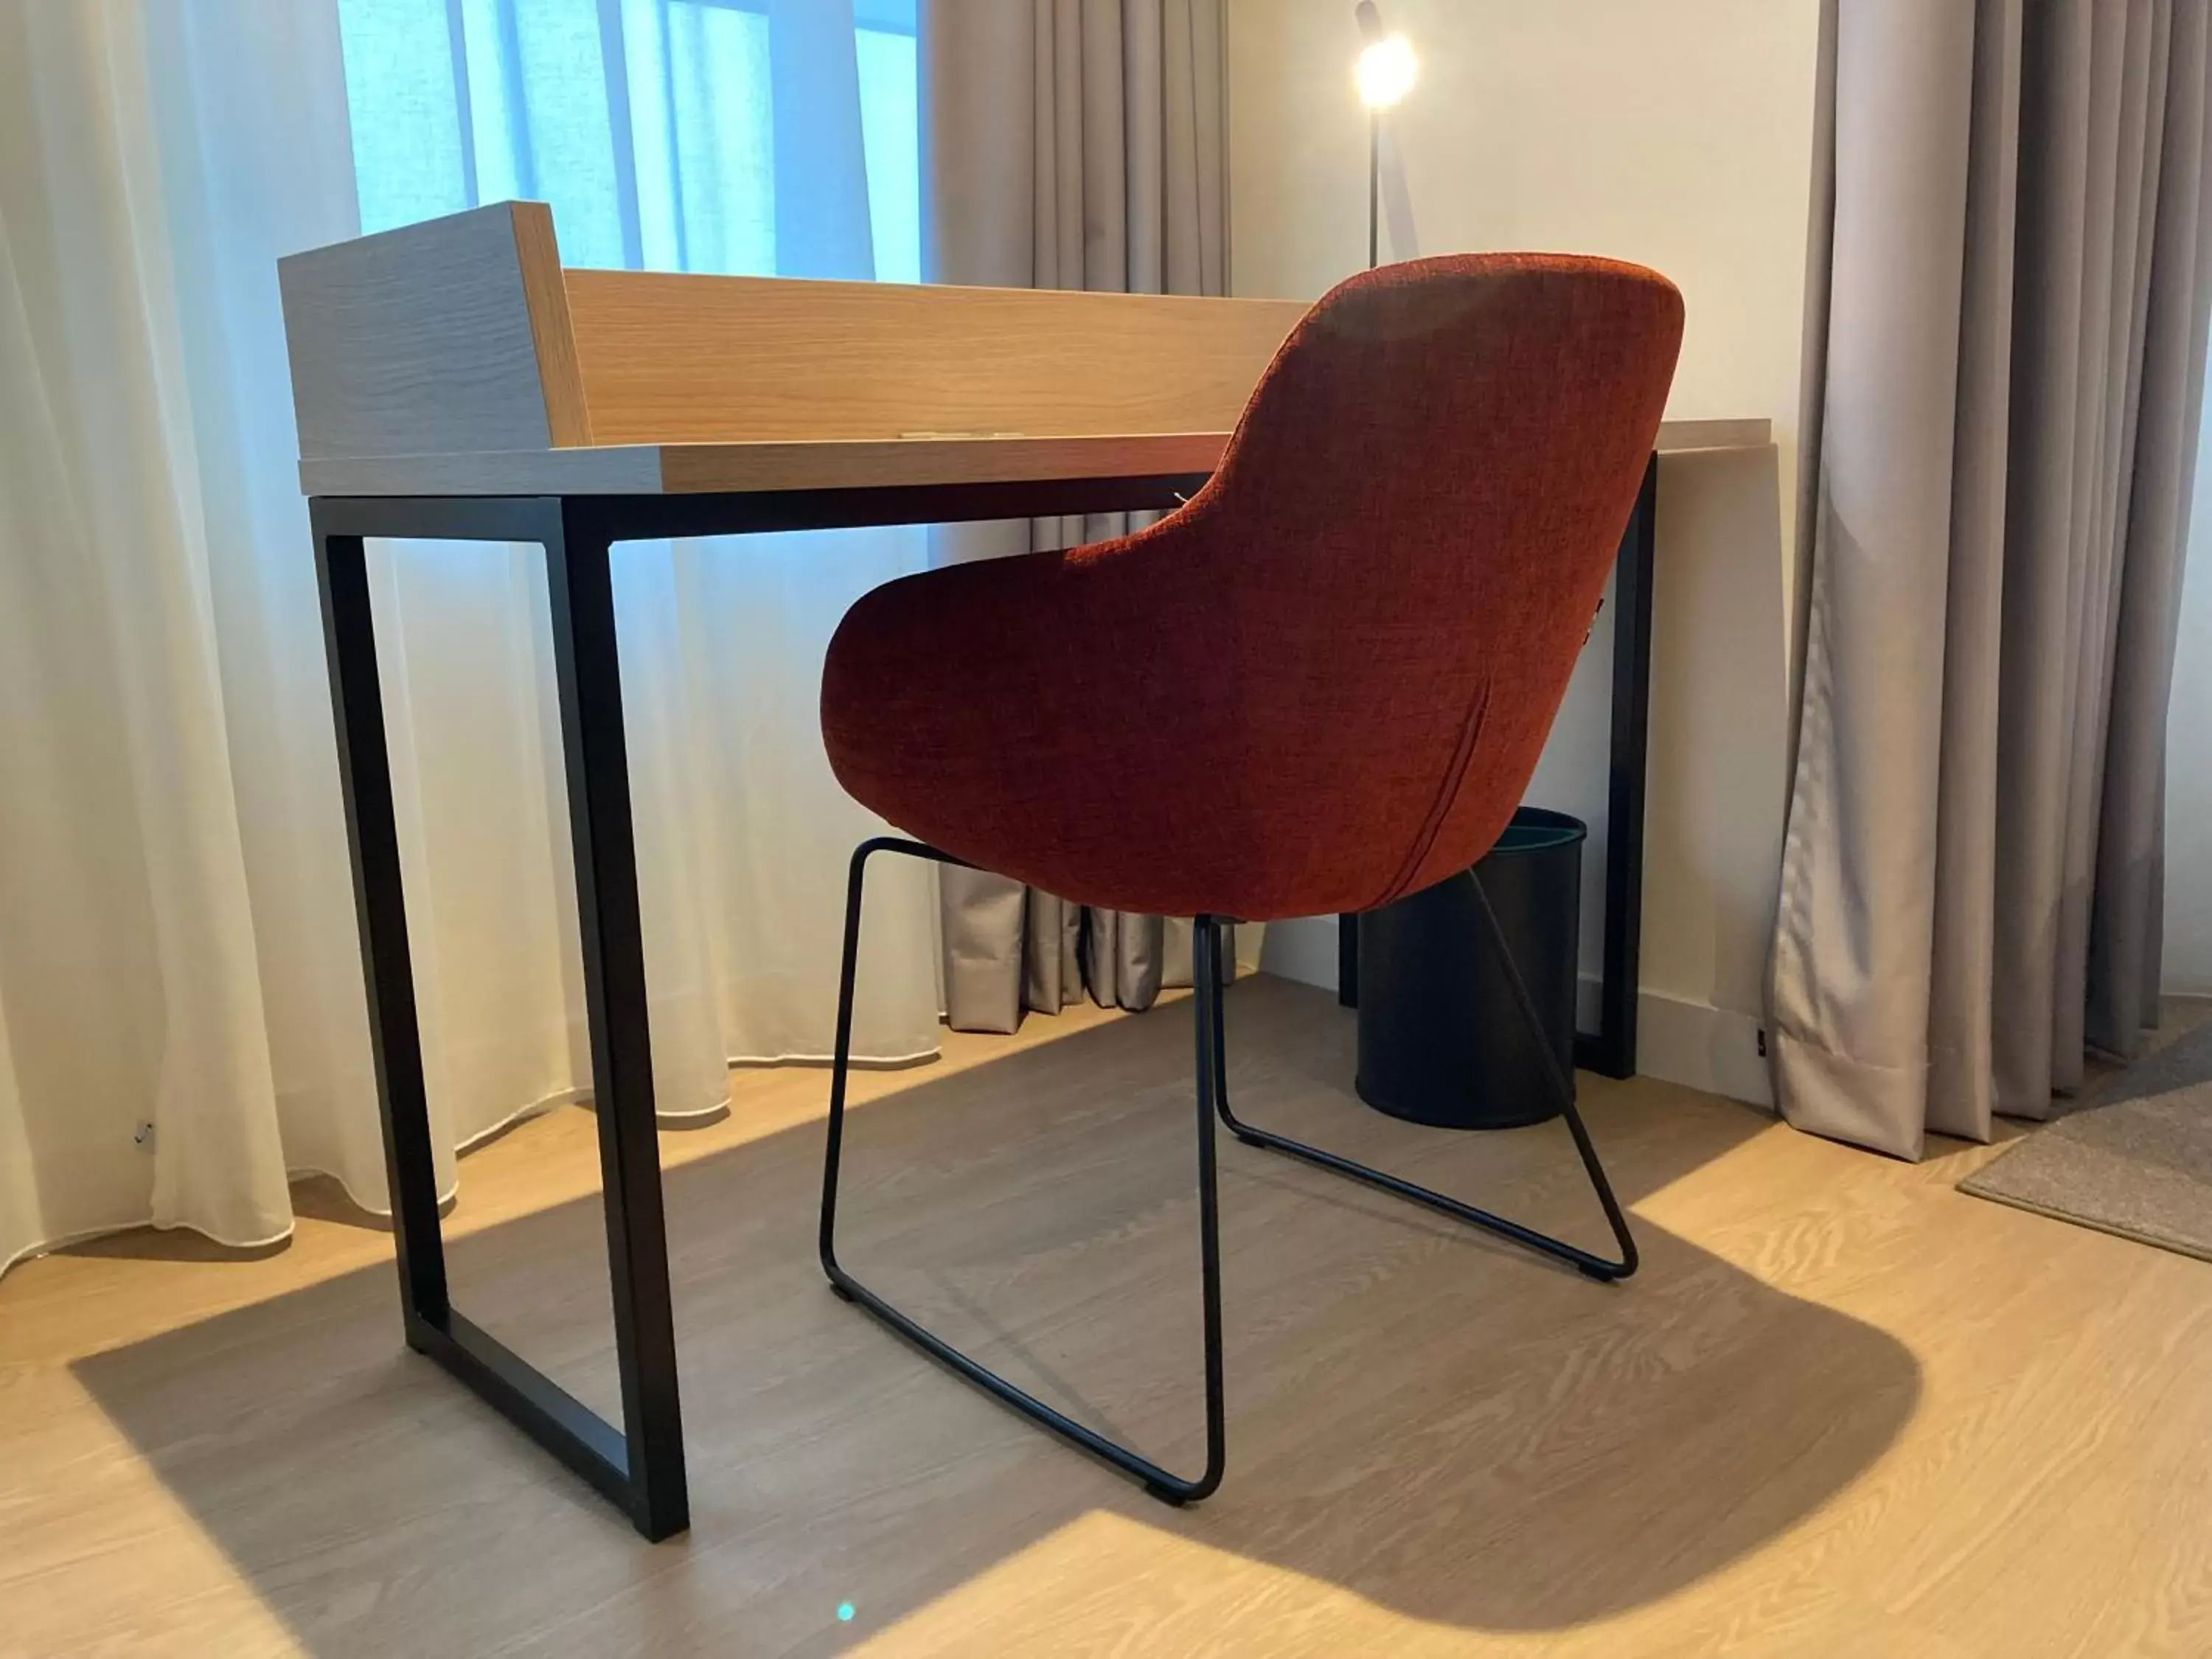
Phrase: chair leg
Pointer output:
(1593, 1266)
(1167, 1488)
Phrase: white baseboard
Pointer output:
(1303, 949)
(1692, 1043)
(1715, 1049)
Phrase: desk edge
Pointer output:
(745, 468)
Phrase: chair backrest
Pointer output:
(1408, 538)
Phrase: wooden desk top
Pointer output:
(834, 464)
(456, 357)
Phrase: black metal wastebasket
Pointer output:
(1441, 1039)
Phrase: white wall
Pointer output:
(1679, 135)
(2188, 968)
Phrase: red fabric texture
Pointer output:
(1324, 683)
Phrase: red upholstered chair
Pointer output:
(1332, 673)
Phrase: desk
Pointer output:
(451, 381)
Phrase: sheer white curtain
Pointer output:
(177, 942)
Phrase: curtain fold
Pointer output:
(142, 1078)
(2011, 379)
(1080, 144)
(182, 1022)
(2126, 921)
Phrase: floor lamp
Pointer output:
(1385, 75)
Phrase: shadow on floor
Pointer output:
(1430, 1419)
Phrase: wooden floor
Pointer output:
(1845, 1409)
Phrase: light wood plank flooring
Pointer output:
(1845, 1409)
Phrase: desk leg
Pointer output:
(1610, 1051)
(585, 666)
(639, 1465)
(395, 1038)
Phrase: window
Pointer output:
(649, 125)
(891, 128)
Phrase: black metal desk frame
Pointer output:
(639, 1464)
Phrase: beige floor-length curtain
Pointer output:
(1065, 144)
(2017, 274)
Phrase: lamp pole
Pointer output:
(1374, 186)
(1370, 30)
(1385, 71)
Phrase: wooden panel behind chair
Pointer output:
(668, 359)
(456, 357)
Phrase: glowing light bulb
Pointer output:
(1386, 72)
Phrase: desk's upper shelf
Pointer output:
(456, 357)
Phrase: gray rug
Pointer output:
(2135, 1159)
